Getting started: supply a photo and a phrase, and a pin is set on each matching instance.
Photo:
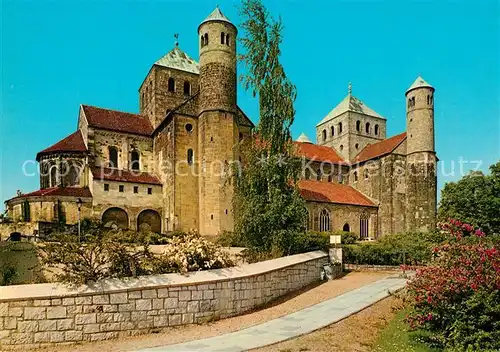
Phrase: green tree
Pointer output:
(270, 214)
(475, 199)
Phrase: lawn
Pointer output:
(396, 338)
(19, 263)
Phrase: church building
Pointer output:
(166, 167)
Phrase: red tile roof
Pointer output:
(117, 175)
(328, 192)
(73, 144)
(59, 191)
(117, 120)
(318, 152)
(381, 148)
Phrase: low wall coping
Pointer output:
(56, 290)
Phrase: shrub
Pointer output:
(191, 252)
(100, 254)
(347, 237)
(457, 298)
(311, 241)
(230, 239)
(408, 248)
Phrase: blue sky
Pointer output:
(58, 54)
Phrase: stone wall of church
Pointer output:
(155, 99)
(342, 215)
(186, 172)
(125, 144)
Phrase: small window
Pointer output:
(171, 85)
(135, 160)
(190, 156)
(189, 128)
(222, 37)
(136, 189)
(226, 211)
(413, 101)
(341, 147)
(356, 146)
(324, 135)
(106, 187)
(206, 38)
(227, 39)
(367, 128)
(355, 176)
(376, 130)
(150, 190)
(432, 100)
(346, 228)
(202, 41)
(366, 174)
(113, 157)
(121, 188)
(332, 131)
(187, 88)
(358, 126)
(340, 127)
(211, 216)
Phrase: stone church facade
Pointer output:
(166, 168)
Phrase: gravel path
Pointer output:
(284, 306)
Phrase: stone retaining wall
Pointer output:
(367, 267)
(40, 315)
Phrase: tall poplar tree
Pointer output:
(269, 211)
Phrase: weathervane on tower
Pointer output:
(176, 36)
(349, 88)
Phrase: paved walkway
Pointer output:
(293, 325)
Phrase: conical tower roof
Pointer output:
(216, 15)
(419, 83)
(303, 139)
(179, 60)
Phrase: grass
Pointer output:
(395, 337)
(19, 264)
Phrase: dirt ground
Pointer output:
(284, 306)
(356, 333)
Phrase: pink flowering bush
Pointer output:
(456, 298)
(191, 252)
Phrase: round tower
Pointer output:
(421, 181)
(217, 40)
(217, 122)
(420, 117)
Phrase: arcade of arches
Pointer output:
(147, 220)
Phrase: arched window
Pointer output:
(222, 37)
(187, 88)
(358, 126)
(206, 38)
(26, 211)
(363, 225)
(366, 174)
(324, 135)
(346, 228)
(227, 39)
(307, 174)
(53, 176)
(432, 100)
(171, 85)
(135, 163)
(202, 41)
(413, 101)
(190, 156)
(355, 176)
(341, 147)
(409, 102)
(376, 130)
(356, 146)
(340, 127)
(367, 127)
(324, 221)
(332, 131)
(113, 157)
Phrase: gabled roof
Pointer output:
(303, 138)
(381, 148)
(216, 15)
(318, 153)
(329, 192)
(71, 144)
(105, 173)
(179, 60)
(349, 103)
(118, 121)
(58, 191)
(419, 83)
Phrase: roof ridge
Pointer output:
(114, 110)
(383, 152)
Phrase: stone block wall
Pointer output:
(33, 316)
